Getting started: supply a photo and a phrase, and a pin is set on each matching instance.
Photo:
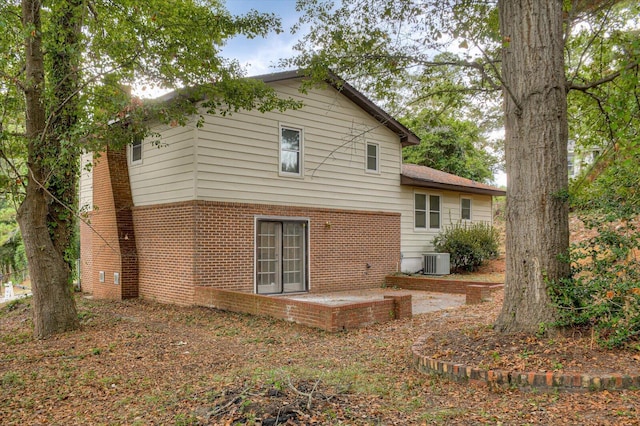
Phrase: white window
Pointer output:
(426, 211)
(290, 151)
(465, 208)
(372, 157)
(434, 212)
(420, 211)
(135, 151)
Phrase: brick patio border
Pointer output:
(332, 318)
(496, 379)
(475, 291)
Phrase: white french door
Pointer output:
(281, 252)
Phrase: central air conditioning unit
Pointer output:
(435, 264)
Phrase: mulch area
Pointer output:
(575, 351)
(141, 363)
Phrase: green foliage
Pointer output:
(450, 144)
(604, 290)
(468, 245)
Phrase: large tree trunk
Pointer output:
(54, 309)
(535, 106)
(53, 304)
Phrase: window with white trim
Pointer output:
(290, 151)
(426, 211)
(135, 151)
(372, 157)
(465, 208)
(434, 212)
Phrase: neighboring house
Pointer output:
(579, 159)
(308, 200)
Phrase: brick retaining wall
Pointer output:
(496, 379)
(475, 291)
(326, 317)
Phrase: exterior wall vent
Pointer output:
(435, 264)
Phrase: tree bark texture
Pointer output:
(536, 133)
(53, 303)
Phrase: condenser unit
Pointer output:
(435, 264)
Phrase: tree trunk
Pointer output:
(54, 309)
(53, 304)
(536, 134)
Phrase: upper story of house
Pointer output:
(339, 151)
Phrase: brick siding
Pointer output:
(112, 240)
(205, 243)
(86, 257)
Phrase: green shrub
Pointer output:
(603, 292)
(468, 245)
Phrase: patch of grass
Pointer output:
(85, 315)
(11, 379)
(13, 339)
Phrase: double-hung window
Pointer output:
(372, 158)
(426, 211)
(290, 151)
(465, 208)
(135, 151)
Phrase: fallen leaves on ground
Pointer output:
(141, 363)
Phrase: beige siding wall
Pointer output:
(166, 172)
(418, 241)
(238, 158)
(86, 182)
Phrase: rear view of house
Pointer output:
(308, 200)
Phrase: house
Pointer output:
(580, 159)
(308, 200)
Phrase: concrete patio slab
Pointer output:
(421, 301)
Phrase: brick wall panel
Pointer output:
(202, 243)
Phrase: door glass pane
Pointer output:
(293, 253)
(267, 253)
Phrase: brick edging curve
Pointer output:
(527, 380)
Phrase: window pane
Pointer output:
(290, 140)
(421, 219)
(434, 220)
(421, 202)
(434, 203)
(290, 163)
(372, 163)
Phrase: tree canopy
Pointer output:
(64, 71)
(533, 54)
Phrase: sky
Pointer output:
(260, 55)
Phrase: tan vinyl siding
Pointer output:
(166, 172)
(86, 182)
(238, 156)
(418, 241)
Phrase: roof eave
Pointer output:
(406, 180)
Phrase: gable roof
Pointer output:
(407, 137)
(426, 177)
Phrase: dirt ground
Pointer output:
(141, 363)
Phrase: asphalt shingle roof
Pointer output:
(426, 177)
